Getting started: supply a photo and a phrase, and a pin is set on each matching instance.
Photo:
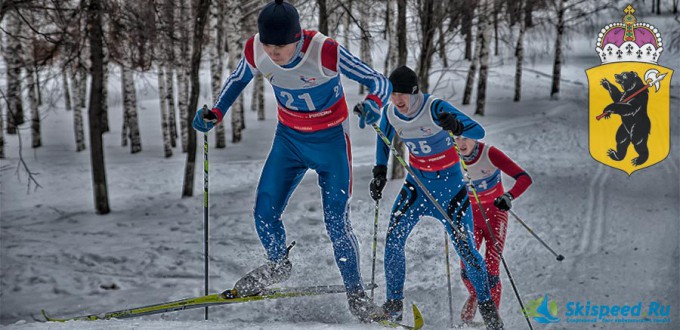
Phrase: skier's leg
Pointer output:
(281, 174)
(332, 160)
(498, 220)
(405, 214)
(335, 173)
(461, 213)
(467, 313)
(479, 233)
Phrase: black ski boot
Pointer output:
(394, 308)
(260, 278)
(364, 308)
(490, 315)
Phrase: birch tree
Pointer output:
(66, 89)
(365, 47)
(398, 171)
(79, 132)
(199, 24)
(428, 25)
(472, 72)
(323, 16)
(519, 51)
(216, 64)
(12, 54)
(235, 42)
(130, 120)
(484, 41)
(170, 70)
(94, 23)
(557, 63)
(165, 128)
(182, 73)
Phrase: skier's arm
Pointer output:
(382, 151)
(236, 82)
(471, 129)
(378, 85)
(509, 167)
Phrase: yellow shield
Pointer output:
(626, 136)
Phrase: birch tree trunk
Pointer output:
(472, 71)
(365, 12)
(397, 170)
(165, 128)
(105, 90)
(82, 86)
(130, 109)
(170, 70)
(348, 24)
(2, 131)
(33, 104)
(183, 74)
(105, 77)
(428, 25)
(323, 17)
(485, 42)
(12, 54)
(202, 8)
(66, 89)
(101, 199)
(519, 53)
(557, 64)
(77, 109)
(216, 64)
(468, 9)
(234, 28)
(170, 102)
(257, 103)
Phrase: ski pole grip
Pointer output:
(208, 115)
(359, 109)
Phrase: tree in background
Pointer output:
(484, 41)
(96, 36)
(215, 47)
(202, 8)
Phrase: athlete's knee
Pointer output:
(266, 211)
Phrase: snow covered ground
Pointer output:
(618, 233)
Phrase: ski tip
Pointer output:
(44, 314)
(417, 318)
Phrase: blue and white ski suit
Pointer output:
(434, 160)
(312, 133)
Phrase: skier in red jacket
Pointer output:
(485, 164)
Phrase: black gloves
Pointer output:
(503, 202)
(449, 122)
(378, 183)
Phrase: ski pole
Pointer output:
(375, 245)
(208, 117)
(488, 226)
(448, 277)
(559, 257)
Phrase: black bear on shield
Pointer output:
(635, 124)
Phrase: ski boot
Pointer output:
(490, 315)
(394, 308)
(260, 278)
(467, 314)
(364, 308)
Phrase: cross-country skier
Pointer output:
(485, 164)
(423, 122)
(304, 68)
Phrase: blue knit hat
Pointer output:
(279, 24)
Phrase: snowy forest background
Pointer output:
(100, 195)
